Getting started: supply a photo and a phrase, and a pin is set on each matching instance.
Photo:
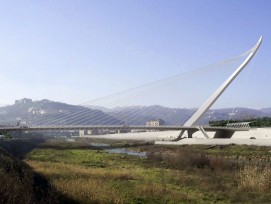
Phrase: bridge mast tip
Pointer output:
(260, 40)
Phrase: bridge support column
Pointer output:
(189, 134)
(203, 132)
(81, 133)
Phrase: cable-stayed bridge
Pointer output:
(123, 110)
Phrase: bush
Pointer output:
(154, 156)
(221, 164)
(180, 160)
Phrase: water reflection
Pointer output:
(116, 150)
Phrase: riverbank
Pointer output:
(19, 183)
(81, 170)
(168, 174)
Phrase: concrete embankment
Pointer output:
(260, 136)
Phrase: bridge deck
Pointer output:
(195, 128)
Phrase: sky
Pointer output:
(77, 51)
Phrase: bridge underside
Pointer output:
(220, 132)
(224, 134)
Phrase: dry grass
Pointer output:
(114, 185)
(84, 184)
(64, 170)
(255, 179)
(89, 190)
(161, 191)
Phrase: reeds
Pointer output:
(255, 179)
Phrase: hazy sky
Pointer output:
(76, 51)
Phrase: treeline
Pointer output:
(256, 122)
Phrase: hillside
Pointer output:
(47, 112)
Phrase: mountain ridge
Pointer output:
(48, 112)
(52, 113)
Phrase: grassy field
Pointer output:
(168, 174)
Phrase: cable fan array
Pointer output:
(173, 100)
